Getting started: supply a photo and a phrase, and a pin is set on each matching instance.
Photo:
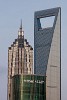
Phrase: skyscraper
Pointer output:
(20, 58)
(47, 51)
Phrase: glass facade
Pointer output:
(28, 87)
(47, 51)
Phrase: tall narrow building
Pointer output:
(47, 51)
(20, 58)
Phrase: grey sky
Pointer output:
(11, 12)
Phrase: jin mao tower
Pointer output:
(20, 58)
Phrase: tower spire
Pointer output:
(21, 24)
(21, 32)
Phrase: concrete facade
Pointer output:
(47, 51)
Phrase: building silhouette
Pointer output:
(47, 51)
(45, 82)
(20, 58)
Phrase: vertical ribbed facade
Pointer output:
(20, 58)
(47, 52)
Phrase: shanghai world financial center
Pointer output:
(44, 83)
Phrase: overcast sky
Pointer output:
(11, 12)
